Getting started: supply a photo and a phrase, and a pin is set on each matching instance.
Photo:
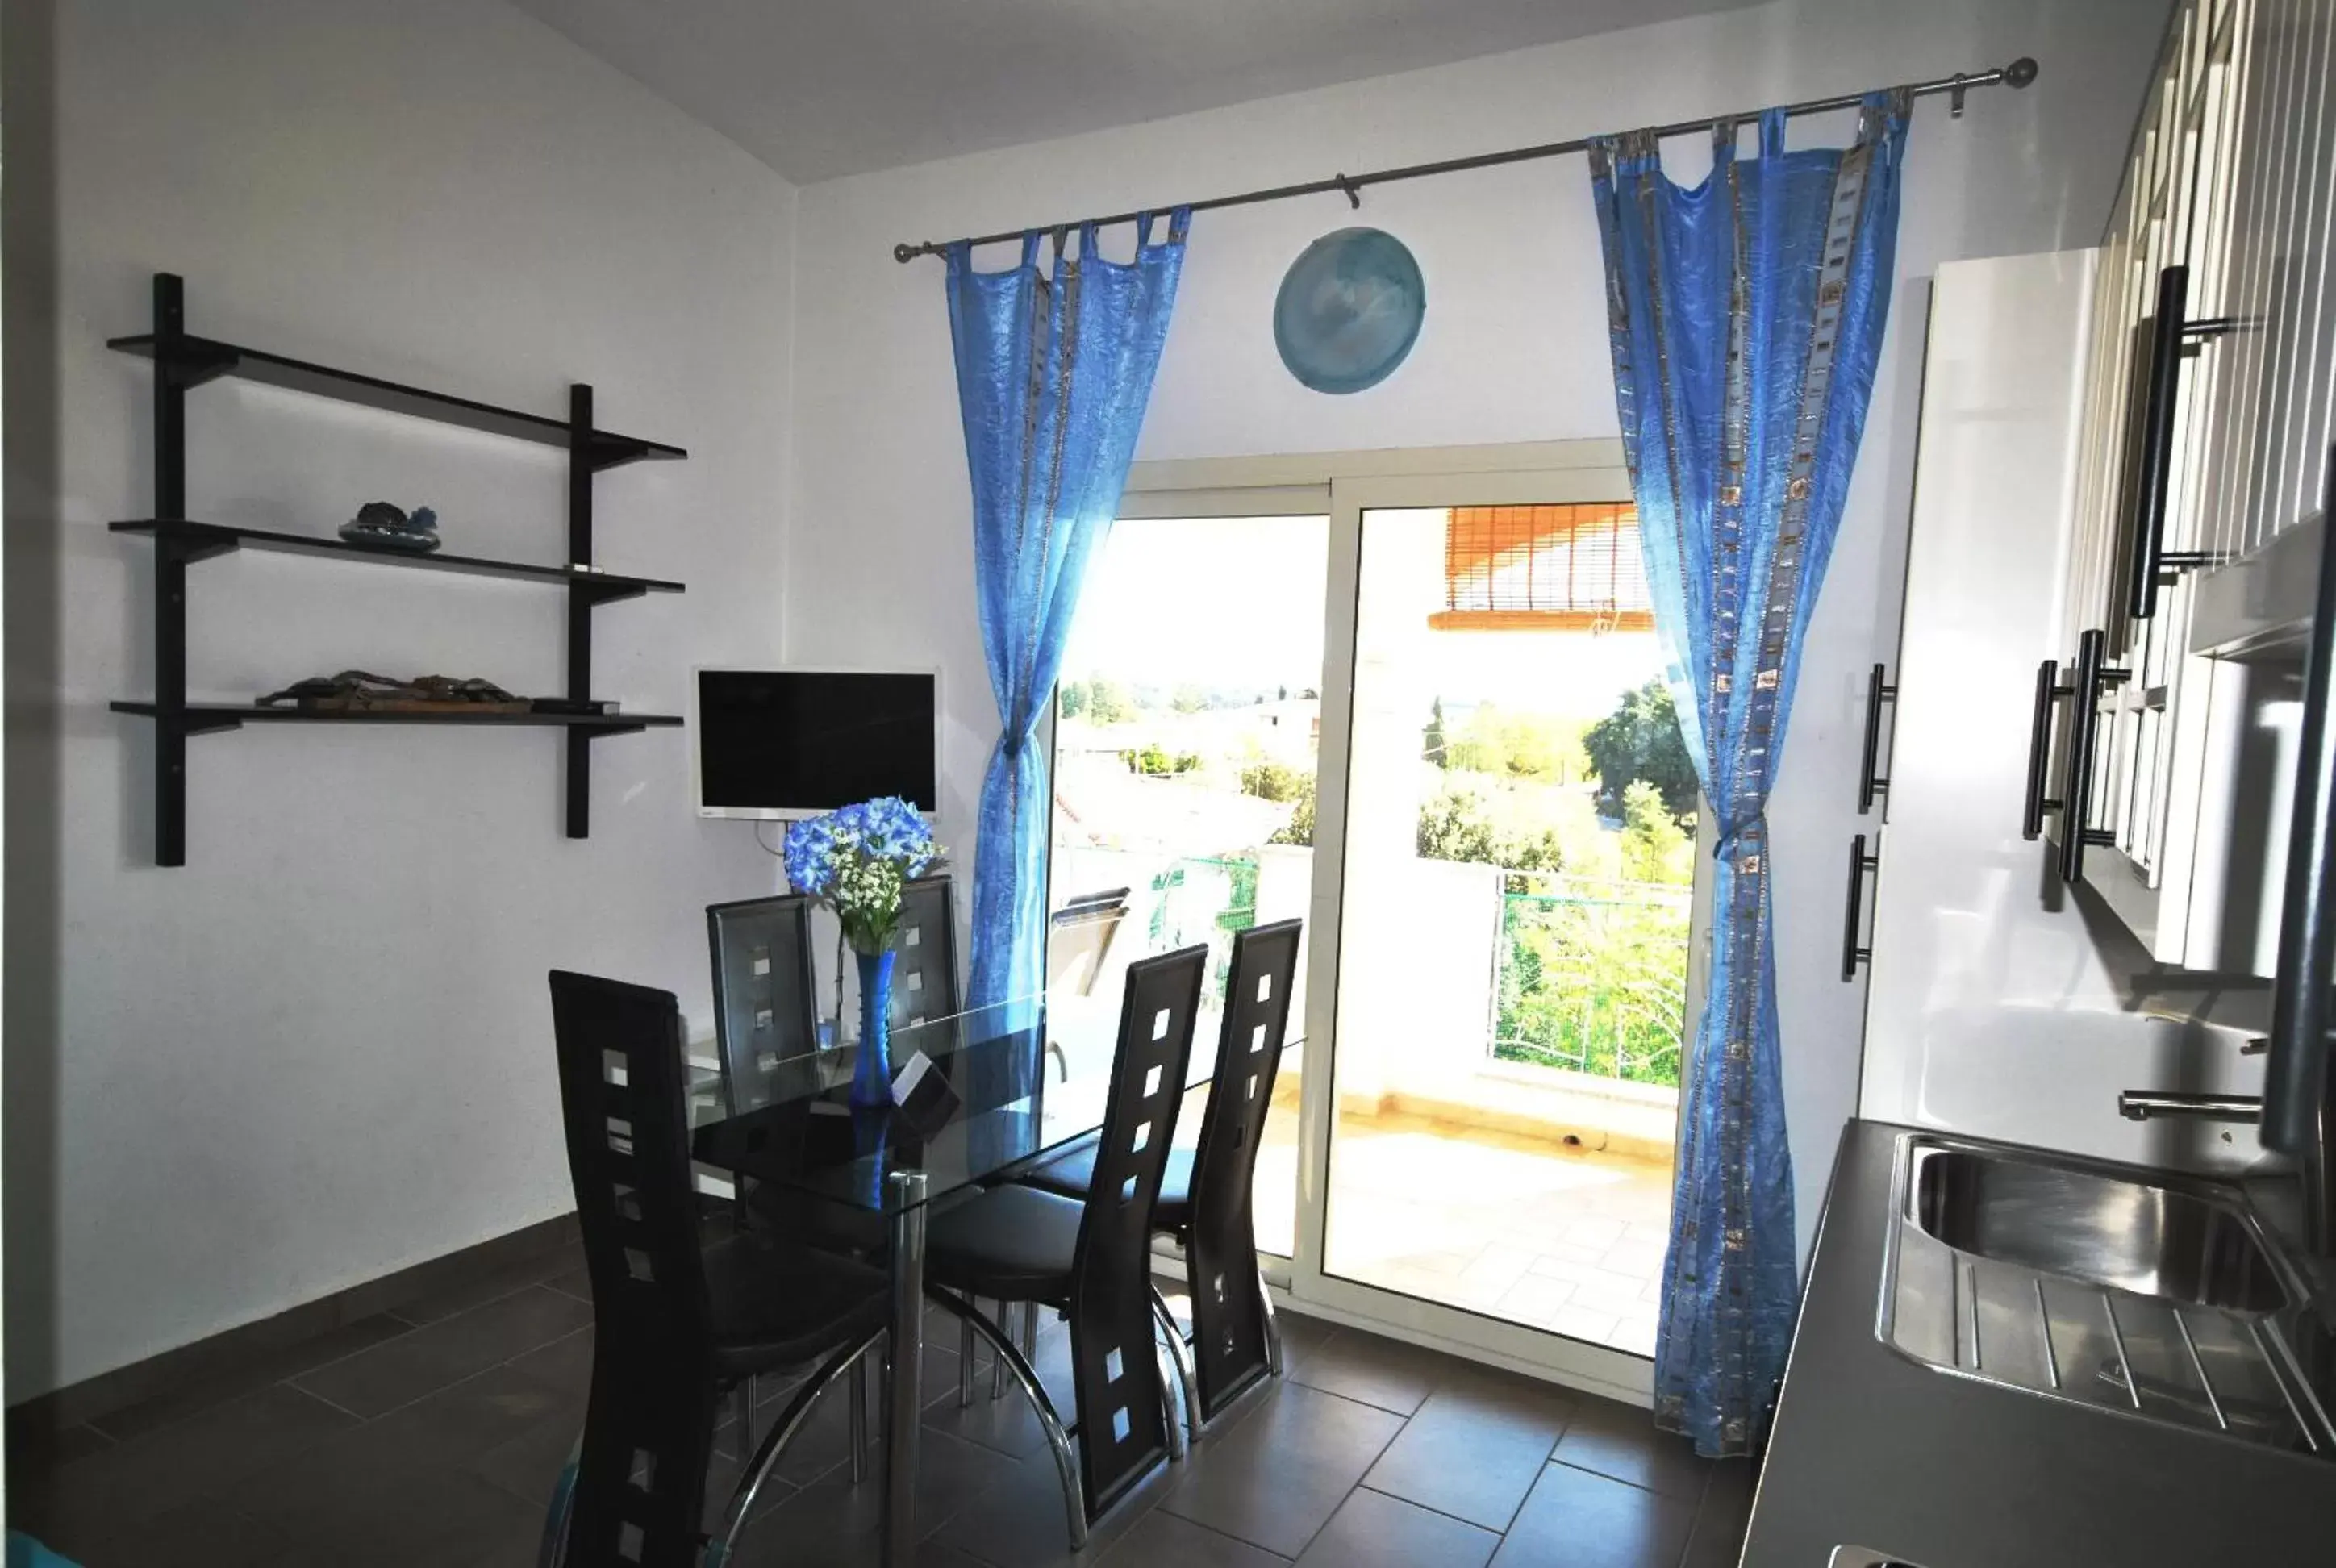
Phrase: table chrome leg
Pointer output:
(903, 1397)
(997, 1363)
(964, 1365)
(859, 1422)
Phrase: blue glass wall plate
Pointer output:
(1348, 310)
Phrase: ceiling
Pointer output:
(821, 88)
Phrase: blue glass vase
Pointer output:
(872, 1073)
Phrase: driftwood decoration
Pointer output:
(354, 690)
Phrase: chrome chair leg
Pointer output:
(859, 1420)
(1272, 1327)
(1188, 1393)
(758, 1470)
(1067, 1459)
(563, 1504)
(1030, 1331)
(1171, 1404)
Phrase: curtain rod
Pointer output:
(2019, 73)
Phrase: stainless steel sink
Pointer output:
(2157, 1296)
(2109, 1231)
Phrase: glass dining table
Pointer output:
(1026, 1080)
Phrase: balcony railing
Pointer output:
(1592, 976)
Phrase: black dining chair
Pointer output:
(1205, 1194)
(677, 1324)
(765, 1011)
(1092, 1259)
(924, 947)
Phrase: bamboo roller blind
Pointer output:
(1572, 568)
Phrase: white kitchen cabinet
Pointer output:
(1992, 1008)
(2214, 287)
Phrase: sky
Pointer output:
(1231, 601)
(1238, 602)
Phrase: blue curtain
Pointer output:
(1747, 315)
(1053, 374)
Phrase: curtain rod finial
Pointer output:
(906, 253)
(2020, 72)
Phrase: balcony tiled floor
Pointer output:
(1563, 1240)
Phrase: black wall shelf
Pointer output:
(204, 716)
(204, 539)
(190, 361)
(183, 361)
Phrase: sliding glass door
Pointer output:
(1507, 834)
(1186, 752)
(1512, 958)
(1431, 719)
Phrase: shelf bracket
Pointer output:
(616, 451)
(601, 593)
(170, 558)
(582, 464)
(194, 541)
(190, 362)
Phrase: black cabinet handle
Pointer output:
(2048, 690)
(1869, 784)
(2093, 676)
(1853, 953)
(2156, 466)
(2153, 481)
(2295, 1076)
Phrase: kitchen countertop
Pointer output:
(1871, 1449)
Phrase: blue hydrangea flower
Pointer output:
(854, 860)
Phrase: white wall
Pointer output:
(1514, 347)
(321, 1052)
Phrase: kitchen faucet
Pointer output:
(2319, 1195)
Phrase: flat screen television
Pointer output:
(793, 743)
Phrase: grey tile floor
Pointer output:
(430, 1437)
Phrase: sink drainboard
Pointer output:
(2175, 1362)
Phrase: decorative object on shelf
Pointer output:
(358, 691)
(378, 522)
(1349, 310)
(855, 860)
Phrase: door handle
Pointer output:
(2048, 690)
(1853, 952)
(1869, 783)
(2093, 676)
(2295, 1074)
